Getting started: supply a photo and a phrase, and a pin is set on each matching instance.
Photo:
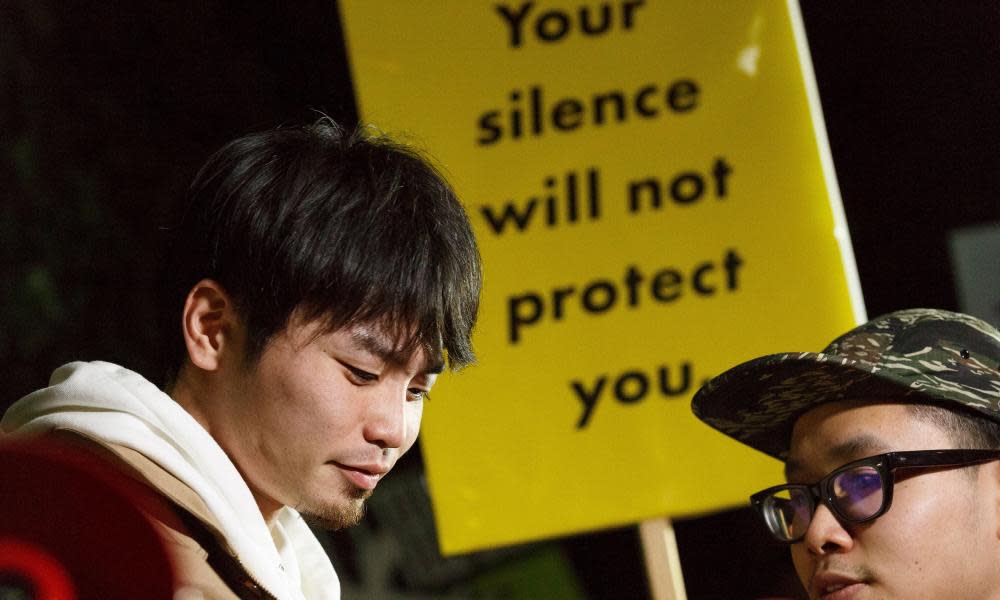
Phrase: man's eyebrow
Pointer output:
(378, 346)
(859, 446)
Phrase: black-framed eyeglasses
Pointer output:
(857, 492)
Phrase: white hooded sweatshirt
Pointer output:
(111, 403)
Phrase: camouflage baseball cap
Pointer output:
(917, 355)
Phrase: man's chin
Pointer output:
(346, 512)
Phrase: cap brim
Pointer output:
(758, 402)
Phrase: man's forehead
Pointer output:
(819, 459)
(838, 432)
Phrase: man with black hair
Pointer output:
(319, 281)
(891, 444)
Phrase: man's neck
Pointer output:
(192, 393)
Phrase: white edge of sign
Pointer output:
(840, 230)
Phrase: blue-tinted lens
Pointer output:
(858, 492)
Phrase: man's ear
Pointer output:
(209, 324)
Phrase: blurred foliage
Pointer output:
(107, 110)
(76, 239)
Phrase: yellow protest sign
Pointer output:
(654, 200)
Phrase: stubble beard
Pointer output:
(346, 510)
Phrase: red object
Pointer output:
(72, 527)
(37, 568)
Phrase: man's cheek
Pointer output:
(803, 565)
(413, 419)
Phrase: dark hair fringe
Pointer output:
(347, 227)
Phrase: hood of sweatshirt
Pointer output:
(116, 405)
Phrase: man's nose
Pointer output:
(385, 425)
(826, 534)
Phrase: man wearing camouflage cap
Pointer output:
(901, 412)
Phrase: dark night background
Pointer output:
(107, 109)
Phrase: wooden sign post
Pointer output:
(663, 561)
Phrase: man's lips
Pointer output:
(833, 586)
(365, 477)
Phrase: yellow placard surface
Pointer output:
(654, 200)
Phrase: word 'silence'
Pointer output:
(534, 116)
